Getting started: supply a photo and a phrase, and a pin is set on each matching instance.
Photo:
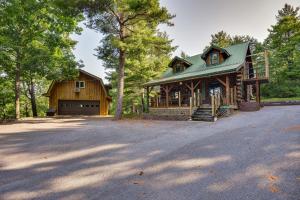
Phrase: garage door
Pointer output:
(78, 107)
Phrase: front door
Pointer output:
(214, 88)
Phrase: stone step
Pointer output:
(208, 119)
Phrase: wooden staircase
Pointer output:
(203, 114)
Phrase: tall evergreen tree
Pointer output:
(123, 23)
(283, 41)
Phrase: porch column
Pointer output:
(167, 96)
(179, 99)
(257, 91)
(227, 90)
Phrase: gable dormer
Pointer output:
(214, 55)
(179, 64)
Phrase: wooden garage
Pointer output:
(85, 95)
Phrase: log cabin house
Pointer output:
(86, 95)
(210, 84)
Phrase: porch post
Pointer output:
(227, 90)
(192, 90)
(257, 91)
(257, 88)
(167, 96)
(179, 99)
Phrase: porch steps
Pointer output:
(203, 114)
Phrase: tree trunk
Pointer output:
(17, 87)
(32, 98)
(120, 89)
(121, 71)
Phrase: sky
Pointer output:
(194, 23)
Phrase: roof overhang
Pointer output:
(158, 82)
(176, 58)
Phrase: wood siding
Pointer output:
(65, 90)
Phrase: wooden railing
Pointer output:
(181, 100)
(260, 66)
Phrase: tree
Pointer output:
(118, 22)
(34, 36)
(283, 41)
(221, 39)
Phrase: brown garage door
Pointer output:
(78, 107)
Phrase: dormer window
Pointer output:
(214, 58)
(179, 64)
(178, 68)
(214, 55)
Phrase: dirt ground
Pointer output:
(253, 155)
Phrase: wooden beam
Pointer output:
(167, 96)
(187, 86)
(179, 98)
(227, 90)
(197, 84)
(222, 82)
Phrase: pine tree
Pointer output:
(123, 23)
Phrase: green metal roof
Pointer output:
(200, 69)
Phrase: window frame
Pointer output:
(78, 84)
(217, 59)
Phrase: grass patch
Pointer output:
(280, 99)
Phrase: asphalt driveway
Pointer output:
(247, 156)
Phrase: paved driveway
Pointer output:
(247, 156)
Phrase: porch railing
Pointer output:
(181, 100)
(215, 103)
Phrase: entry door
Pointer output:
(78, 107)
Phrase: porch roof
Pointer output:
(198, 69)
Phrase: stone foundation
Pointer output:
(178, 113)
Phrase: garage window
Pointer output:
(80, 84)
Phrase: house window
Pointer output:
(178, 68)
(80, 84)
(214, 58)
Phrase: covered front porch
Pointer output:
(195, 92)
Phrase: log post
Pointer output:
(212, 105)
(198, 97)
(192, 91)
(191, 101)
(167, 96)
(157, 103)
(231, 96)
(234, 95)
(227, 90)
(257, 88)
(179, 99)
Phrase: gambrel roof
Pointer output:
(83, 72)
(199, 68)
